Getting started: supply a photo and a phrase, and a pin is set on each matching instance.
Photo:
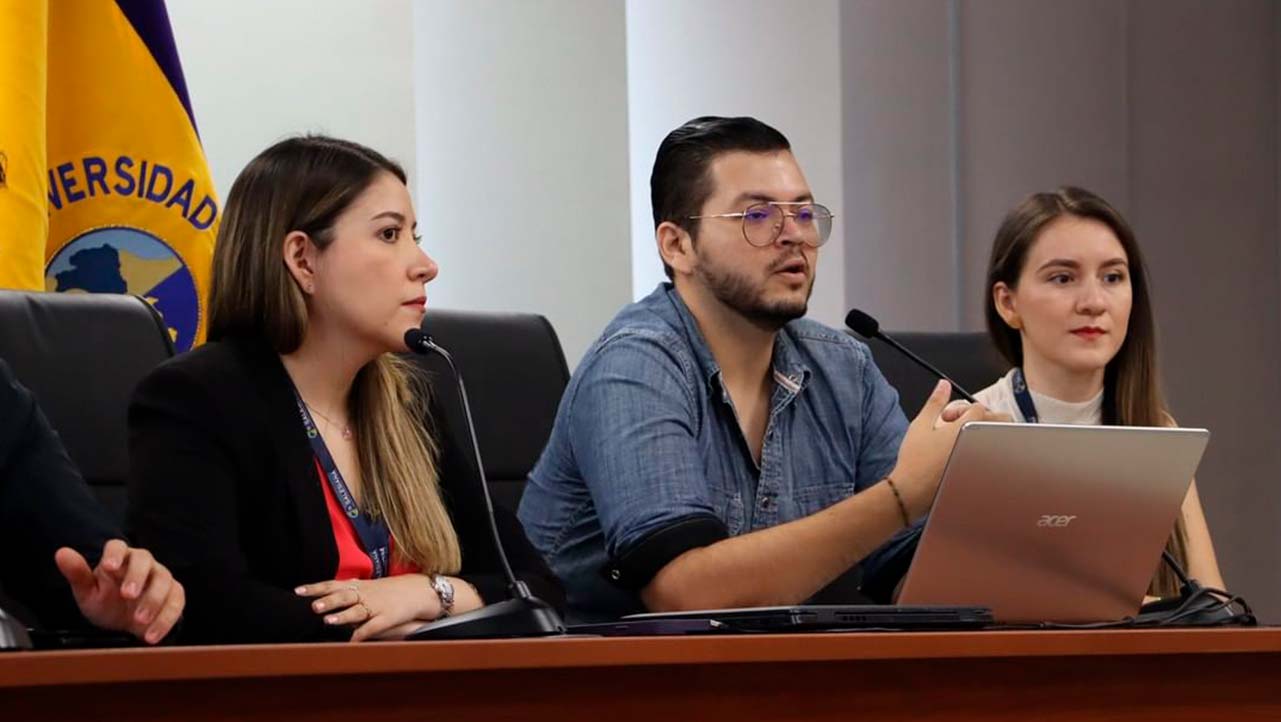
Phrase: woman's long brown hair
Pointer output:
(1131, 383)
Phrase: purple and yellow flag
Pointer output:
(129, 198)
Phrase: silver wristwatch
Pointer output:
(445, 590)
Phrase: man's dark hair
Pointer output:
(681, 182)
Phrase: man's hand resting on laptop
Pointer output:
(129, 591)
(928, 443)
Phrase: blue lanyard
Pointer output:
(373, 533)
(1023, 397)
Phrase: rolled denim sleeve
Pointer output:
(635, 421)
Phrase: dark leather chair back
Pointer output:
(82, 355)
(969, 358)
(515, 373)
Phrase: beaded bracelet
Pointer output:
(898, 498)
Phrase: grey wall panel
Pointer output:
(1042, 103)
(898, 193)
(1169, 108)
(1204, 183)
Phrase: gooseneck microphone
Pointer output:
(867, 327)
(524, 615)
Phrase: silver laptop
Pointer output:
(1049, 523)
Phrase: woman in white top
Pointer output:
(1069, 308)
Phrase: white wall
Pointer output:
(521, 129)
(260, 71)
(512, 120)
(522, 153)
(777, 62)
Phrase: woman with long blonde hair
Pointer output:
(287, 470)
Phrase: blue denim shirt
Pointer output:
(646, 436)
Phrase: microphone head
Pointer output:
(862, 324)
(417, 341)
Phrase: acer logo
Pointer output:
(1055, 520)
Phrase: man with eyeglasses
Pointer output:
(715, 449)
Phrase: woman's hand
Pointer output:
(388, 608)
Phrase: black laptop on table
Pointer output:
(796, 618)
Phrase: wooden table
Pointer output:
(1187, 674)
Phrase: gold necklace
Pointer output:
(346, 429)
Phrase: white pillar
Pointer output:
(522, 158)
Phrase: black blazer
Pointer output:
(44, 504)
(224, 490)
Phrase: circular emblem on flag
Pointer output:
(120, 259)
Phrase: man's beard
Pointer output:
(747, 298)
